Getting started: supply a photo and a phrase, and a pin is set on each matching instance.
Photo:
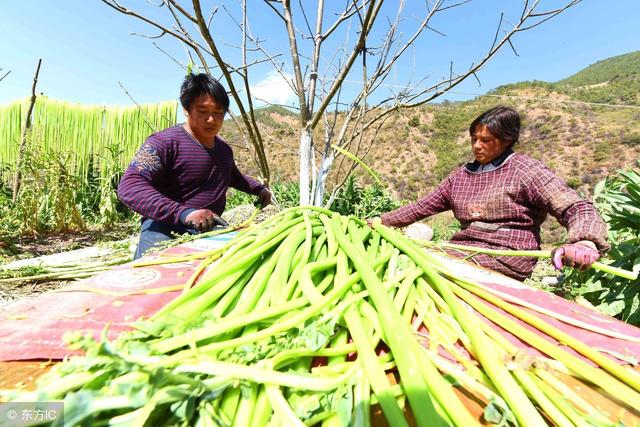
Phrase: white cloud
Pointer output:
(273, 89)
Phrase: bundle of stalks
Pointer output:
(66, 271)
(76, 270)
(311, 318)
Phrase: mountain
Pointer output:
(415, 149)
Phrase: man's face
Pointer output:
(205, 118)
(486, 147)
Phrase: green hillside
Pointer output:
(627, 65)
(415, 149)
(613, 81)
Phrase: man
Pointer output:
(179, 178)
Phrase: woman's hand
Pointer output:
(374, 220)
(578, 255)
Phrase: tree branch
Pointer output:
(5, 75)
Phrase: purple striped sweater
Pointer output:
(172, 174)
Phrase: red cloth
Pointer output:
(504, 208)
(33, 328)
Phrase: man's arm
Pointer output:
(136, 189)
(244, 183)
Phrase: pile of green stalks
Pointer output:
(312, 318)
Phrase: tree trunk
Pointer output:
(25, 131)
(321, 181)
(306, 145)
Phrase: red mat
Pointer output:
(33, 328)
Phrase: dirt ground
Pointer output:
(35, 246)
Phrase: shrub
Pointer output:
(601, 151)
(414, 121)
(574, 182)
(631, 139)
(286, 194)
(363, 202)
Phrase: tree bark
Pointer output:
(25, 131)
(306, 145)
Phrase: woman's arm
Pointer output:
(435, 202)
(579, 216)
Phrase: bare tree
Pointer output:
(376, 38)
(25, 132)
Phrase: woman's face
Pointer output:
(486, 147)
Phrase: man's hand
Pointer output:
(578, 255)
(204, 220)
(264, 198)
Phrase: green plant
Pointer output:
(286, 195)
(289, 326)
(109, 208)
(618, 200)
(602, 151)
(56, 197)
(84, 133)
(47, 200)
(631, 139)
(574, 182)
(73, 160)
(363, 202)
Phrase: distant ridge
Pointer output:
(606, 70)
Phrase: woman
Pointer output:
(502, 198)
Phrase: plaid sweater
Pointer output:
(504, 208)
(172, 174)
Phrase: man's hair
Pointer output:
(195, 85)
(503, 122)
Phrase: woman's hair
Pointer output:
(195, 85)
(503, 122)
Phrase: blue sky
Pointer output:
(87, 48)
